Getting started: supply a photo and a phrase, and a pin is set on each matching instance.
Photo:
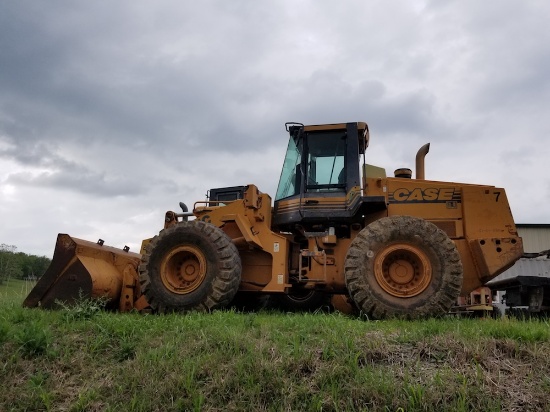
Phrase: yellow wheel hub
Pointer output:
(183, 269)
(402, 270)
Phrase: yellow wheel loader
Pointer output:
(339, 229)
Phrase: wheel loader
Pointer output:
(338, 230)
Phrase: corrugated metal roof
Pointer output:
(522, 270)
(536, 238)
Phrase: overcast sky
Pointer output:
(111, 112)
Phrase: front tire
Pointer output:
(403, 266)
(190, 266)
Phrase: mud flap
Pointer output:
(82, 269)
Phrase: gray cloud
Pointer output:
(140, 105)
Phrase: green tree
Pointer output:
(9, 263)
(32, 266)
(20, 265)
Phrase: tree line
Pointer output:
(19, 265)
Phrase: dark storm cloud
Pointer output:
(140, 104)
(100, 78)
(326, 97)
(90, 72)
(54, 171)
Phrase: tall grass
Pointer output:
(14, 291)
(60, 360)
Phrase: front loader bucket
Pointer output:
(82, 269)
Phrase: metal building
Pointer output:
(527, 283)
(536, 237)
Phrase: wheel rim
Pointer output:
(402, 270)
(301, 295)
(183, 269)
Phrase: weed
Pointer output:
(38, 391)
(126, 350)
(462, 395)
(97, 343)
(38, 380)
(19, 315)
(415, 394)
(85, 400)
(83, 308)
(33, 339)
(4, 331)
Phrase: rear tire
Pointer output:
(190, 266)
(305, 300)
(402, 266)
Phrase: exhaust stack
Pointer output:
(420, 155)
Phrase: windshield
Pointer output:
(287, 184)
(326, 166)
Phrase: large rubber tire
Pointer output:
(305, 300)
(403, 266)
(190, 266)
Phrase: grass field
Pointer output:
(84, 359)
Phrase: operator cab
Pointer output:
(320, 180)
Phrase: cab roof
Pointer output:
(362, 129)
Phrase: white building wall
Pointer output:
(536, 237)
